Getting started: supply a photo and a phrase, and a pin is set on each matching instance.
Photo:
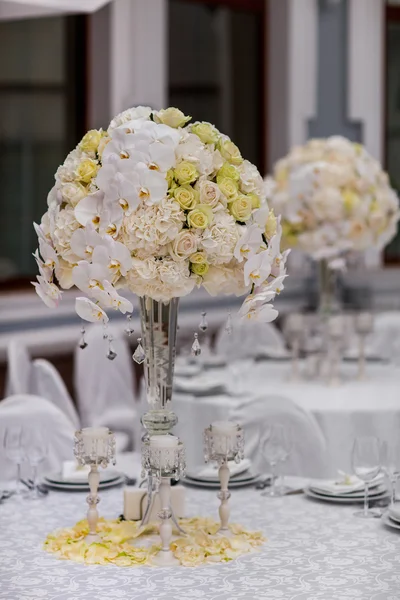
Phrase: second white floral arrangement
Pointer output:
(333, 196)
(158, 206)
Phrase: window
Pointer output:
(42, 83)
(217, 68)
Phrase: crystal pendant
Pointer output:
(196, 350)
(82, 343)
(228, 324)
(139, 355)
(111, 354)
(105, 330)
(129, 329)
(203, 323)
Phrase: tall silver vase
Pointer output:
(159, 327)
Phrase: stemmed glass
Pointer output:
(15, 451)
(367, 462)
(37, 452)
(391, 466)
(273, 448)
(287, 446)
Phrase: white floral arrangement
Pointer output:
(158, 206)
(333, 197)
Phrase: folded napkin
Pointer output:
(71, 471)
(210, 472)
(346, 484)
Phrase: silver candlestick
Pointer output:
(163, 459)
(223, 441)
(94, 446)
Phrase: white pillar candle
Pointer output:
(164, 441)
(95, 440)
(336, 326)
(224, 427)
(364, 322)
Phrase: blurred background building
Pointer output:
(270, 73)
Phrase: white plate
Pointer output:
(187, 370)
(210, 472)
(386, 520)
(105, 477)
(242, 478)
(357, 494)
(342, 499)
(216, 486)
(394, 513)
(67, 487)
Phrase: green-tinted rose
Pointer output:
(241, 208)
(186, 196)
(206, 132)
(230, 152)
(198, 258)
(228, 170)
(199, 269)
(201, 217)
(185, 172)
(228, 187)
(255, 200)
(172, 117)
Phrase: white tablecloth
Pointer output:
(314, 551)
(370, 407)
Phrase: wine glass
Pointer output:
(13, 444)
(240, 373)
(391, 466)
(37, 447)
(287, 446)
(367, 462)
(273, 448)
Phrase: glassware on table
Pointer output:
(287, 445)
(240, 377)
(274, 451)
(364, 325)
(15, 451)
(295, 325)
(335, 329)
(366, 460)
(391, 466)
(37, 450)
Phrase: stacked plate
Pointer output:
(207, 477)
(108, 478)
(392, 517)
(349, 492)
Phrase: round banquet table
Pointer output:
(313, 551)
(347, 410)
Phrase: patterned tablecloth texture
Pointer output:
(314, 551)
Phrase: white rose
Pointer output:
(209, 192)
(72, 193)
(250, 178)
(184, 245)
(132, 114)
(327, 204)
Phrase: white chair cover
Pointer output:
(249, 339)
(308, 456)
(385, 340)
(19, 369)
(105, 389)
(32, 412)
(48, 384)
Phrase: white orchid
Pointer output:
(114, 256)
(258, 268)
(48, 292)
(118, 181)
(252, 310)
(89, 278)
(89, 311)
(249, 243)
(89, 209)
(116, 301)
(85, 240)
(48, 254)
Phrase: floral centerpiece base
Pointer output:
(127, 544)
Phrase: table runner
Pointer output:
(314, 551)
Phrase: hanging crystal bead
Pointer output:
(105, 330)
(203, 323)
(111, 354)
(196, 349)
(139, 355)
(228, 324)
(83, 343)
(129, 329)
